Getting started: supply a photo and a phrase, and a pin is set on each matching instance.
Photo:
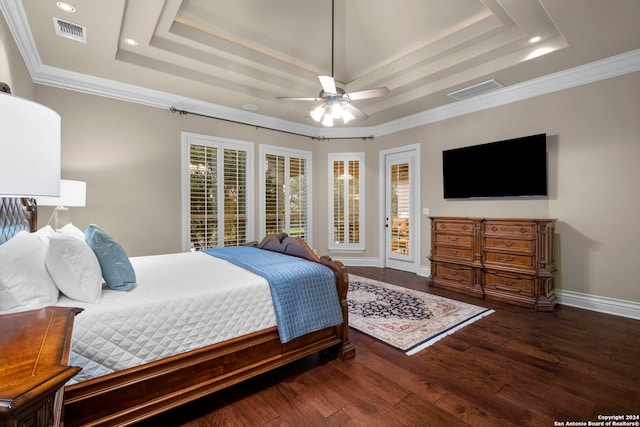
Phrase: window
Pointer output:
(217, 192)
(400, 209)
(285, 192)
(346, 202)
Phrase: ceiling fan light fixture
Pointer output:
(337, 110)
(347, 116)
(336, 102)
(317, 113)
(330, 111)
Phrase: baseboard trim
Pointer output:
(424, 270)
(359, 262)
(600, 304)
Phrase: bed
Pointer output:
(140, 390)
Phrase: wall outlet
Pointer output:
(425, 211)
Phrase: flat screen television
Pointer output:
(511, 168)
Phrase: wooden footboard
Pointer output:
(131, 395)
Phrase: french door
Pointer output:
(401, 209)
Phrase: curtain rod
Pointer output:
(317, 138)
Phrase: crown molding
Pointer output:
(56, 77)
(603, 69)
(19, 26)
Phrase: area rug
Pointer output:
(404, 318)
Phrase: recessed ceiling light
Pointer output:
(65, 6)
(250, 107)
(131, 42)
(535, 39)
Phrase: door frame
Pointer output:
(412, 150)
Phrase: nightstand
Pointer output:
(34, 352)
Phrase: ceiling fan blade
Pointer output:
(368, 93)
(328, 84)
(294, 98)
(357, 113)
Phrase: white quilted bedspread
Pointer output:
(183, 301)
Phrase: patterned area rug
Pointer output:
(403, 318)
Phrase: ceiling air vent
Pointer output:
(474, 90)
(70, 30)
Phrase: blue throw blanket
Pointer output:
(304, 293)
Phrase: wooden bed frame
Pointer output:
(134, 394)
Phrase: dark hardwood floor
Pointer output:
(515, 367)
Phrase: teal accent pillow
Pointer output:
(116, 268)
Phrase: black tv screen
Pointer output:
(511, 168)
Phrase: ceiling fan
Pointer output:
(336, 103)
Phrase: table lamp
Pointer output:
(72, 193)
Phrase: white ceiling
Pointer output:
(215, 56)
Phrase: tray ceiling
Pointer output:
(234, 55)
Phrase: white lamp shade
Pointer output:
(72, 193)
(29, 148)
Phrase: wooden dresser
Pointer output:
(508, 260)
(34, 352)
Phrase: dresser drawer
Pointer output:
(515, 245)
(451, 226)
(523, 229)
(453, 272)
(458, 254)
(465, 241)
(499, 281)
(509, 259)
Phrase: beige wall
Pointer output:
(129, 155)
(594, 149)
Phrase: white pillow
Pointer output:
(74, 268)
(72, 230)
(25, 283)
(44, 233)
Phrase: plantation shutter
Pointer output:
(286, 192)
(235, 197)
(346, 202)
(297, 197)
(203, 227)
(275, 195)
(400, 208)
(219, 195)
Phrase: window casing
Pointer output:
(217, 192)
(346, 202)
(285, 192)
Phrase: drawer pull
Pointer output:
(442, 226)
(508, 258)
(508, 243)
(453, 239)
(453, 252)
(464, 227)
(507, 282)
(507, 276)
(517, 291)
(523, 230)
(494, 228)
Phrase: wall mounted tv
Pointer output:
(511, 168)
